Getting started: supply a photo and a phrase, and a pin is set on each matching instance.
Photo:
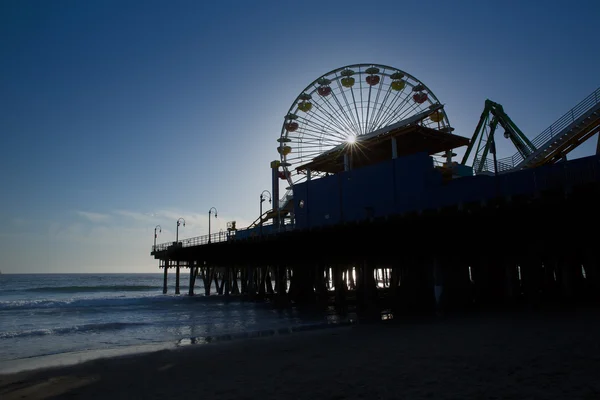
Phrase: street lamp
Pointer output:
(209, 214)
(156, 235)
(262, 198)
(177, 232)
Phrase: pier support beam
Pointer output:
(339, 287)
(512, 289)
(320, 285)
(262, 280)
(570, 279)
(207, 276)
(592, 276)
(438, 282)
(550, 292)
(281, 286)
(227, 279)
(457, 288)
(192, 278)
(395, 283)
(531, 278)
(250, 285)
(416, 293)
(302, 285)
(366, 289)
(177, 278)
(234, 280)
(269, 280)
(281, 298)
(166, 267)
(219, 285)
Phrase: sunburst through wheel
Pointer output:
(346, 103)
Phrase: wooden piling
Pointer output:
(177, 278)
(166, 270)
(192, 278)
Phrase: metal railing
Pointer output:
(222, 237)
(214, 238)
(288, 195)
(504, 164)
(566, 120)
(196, 241)
(544, 138)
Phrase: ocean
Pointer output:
(58, 319)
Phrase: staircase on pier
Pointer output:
(555, 142)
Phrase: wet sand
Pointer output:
(541, 355)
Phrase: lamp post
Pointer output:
(156, 235)
(209, 214)
(262, 198)
(179, 221)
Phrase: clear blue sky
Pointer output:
(116, 116)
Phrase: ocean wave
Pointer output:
(28, 304)
(98, 288)
(109, 326)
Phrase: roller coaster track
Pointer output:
(553, 144)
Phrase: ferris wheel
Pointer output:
(346, 103)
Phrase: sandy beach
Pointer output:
(541, 355)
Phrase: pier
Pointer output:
(378, 221)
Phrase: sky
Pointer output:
(118, 116)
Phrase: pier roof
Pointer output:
(376, 147)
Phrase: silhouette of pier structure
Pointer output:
(377, 220)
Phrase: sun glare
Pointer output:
(351, 139)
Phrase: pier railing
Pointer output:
(224, 237)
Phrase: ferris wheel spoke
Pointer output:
(370, 114)
(355, 122)
(349, 123)
(305, 153)
(387, 114)
(362, 110)
(317, 142)
(315, 145)
(338, 111)
(414, 109)
(397, 111)
(358, 125)
(302, 159)
(318, 129)
(314, 139)
(333, 121)
(319, 123)
(398, 104)
(322, 140)
(368, 109)
(309, 131)
(380, 109)
(384, 109)
(328, 118)
(369, 117)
